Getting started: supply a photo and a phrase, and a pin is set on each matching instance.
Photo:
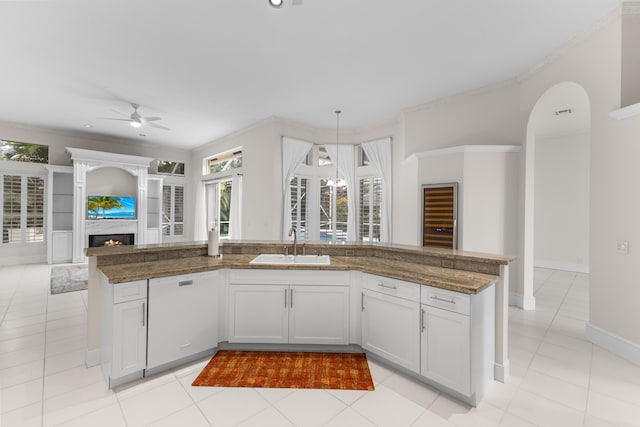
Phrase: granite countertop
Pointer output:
(445, 278)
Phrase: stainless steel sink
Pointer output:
(291, 259)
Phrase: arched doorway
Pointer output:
(556, 158)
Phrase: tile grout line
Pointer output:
(44, 353)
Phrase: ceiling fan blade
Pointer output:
(151, 119)
(119, 112)
(154, 125)
(114, 118)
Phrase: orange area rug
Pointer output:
(231, 368)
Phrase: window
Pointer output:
(362, 158)
(333, 211)
(22, 209)
(299, 201)
(225, 162)
(170, 168)
(23, 152)
(369, 214)
(172, 210)
(327, 206)
(219, 206)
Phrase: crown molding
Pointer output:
(625, 112)
(462, 95)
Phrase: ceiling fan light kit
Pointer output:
(136, 120)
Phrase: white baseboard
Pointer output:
(521, 301)
(91, 358)
(560, 265)
(501, 371)
(22, 259)
(616, 344)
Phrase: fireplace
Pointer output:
(119, 239)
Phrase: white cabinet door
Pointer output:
(129, 338)
(258, 313)
(446, 348)
(319, 315)
(61, 246)
(183, 317)
(391, 328)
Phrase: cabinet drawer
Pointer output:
(129, 291)
(448, 300)
(398, 288)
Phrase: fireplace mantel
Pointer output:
(85, 161)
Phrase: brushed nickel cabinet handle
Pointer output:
(382, 285)
(185, 283)
(437, 298)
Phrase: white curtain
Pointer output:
(235, 210)
(346, 168)
(200, 226)
(379, 154)
(293, 153)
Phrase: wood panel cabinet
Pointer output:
(183, 317)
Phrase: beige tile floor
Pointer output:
(558, 378)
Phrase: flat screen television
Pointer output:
(111, 207)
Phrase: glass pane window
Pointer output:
(12, 209)
(299, 206)
(172, 210)
(170, 168)
(323, 156)
(225, 161)
(23, 152)
(218, 198)
(35, 209)
(333, 211)
(22, 209)
(370, 201)
(363, 160)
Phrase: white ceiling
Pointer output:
(210, 67)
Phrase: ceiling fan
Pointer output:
(136, 120)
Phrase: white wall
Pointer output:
(561, 215)
(490, 202)
(111, 182)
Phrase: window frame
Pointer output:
(24, 212)
(171, 222)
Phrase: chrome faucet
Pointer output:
(295, 239)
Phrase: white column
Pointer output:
(501, 364)
(79, 209)
(141, 235)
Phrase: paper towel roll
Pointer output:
(213, 243)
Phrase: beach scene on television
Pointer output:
(111, 207)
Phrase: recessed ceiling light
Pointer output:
(86, 125)
(276, 3)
